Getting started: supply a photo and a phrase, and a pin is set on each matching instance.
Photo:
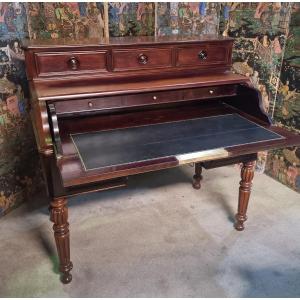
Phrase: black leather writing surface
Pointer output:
(122, 146)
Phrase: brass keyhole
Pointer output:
(73, 63)
(142, 59)
(202, 55)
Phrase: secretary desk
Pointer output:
(105, 110)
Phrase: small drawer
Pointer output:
(210, 92)
(141, 58)
(154, 98)
(74, 62)
(86, 105)
(204, 55)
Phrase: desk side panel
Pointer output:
(40, 121)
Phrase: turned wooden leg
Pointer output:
(247, 174)
(59, 216)
(197, 177)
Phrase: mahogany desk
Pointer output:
(103, 111)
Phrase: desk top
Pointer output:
(122, 41)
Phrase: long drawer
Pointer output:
(143, 99)
(203, 55)
(75, 62)
(141, 58)
(116, 102)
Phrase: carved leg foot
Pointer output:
(59, 216)
(247, 174)
(67, 276)
(197, 177)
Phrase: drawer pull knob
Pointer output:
(154, 98)
(73, 63)
(202, 55)
(142, 59)
(211, 92)
(90, 104)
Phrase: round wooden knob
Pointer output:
(142, 59)
(202, 55)
(154, 98)
(90, 104)
(73, 63)
(211, 92)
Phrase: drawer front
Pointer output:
(74, 62)
(86, 105)
(154, 98)
(210, 92)
(115, 102)
(123, 101)
(141, 58)
(204, 55)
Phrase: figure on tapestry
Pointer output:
(67, 20)
(187, 18)
(131, 19)
(13, 23)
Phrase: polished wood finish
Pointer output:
(198, 176)
(142, 99)
(144, 56)
(251, 103)
(141, 58)
(209, 54)
(91, 85)
(59, 216)
(51, 90)
(122, 41)
(247, 174)
(73, 63)
(211, 92)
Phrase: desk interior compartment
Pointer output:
(104, 146)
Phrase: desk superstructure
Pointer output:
(103, 111)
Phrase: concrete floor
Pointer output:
(160, 238)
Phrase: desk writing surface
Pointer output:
(122, 146)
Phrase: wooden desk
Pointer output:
(105, 110)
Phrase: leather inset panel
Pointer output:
(123, 146)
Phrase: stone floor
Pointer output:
(160, 238)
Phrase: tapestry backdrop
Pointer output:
(284, 164)
(267, 50)
(19, 165)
